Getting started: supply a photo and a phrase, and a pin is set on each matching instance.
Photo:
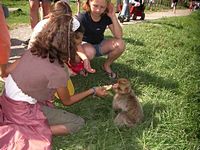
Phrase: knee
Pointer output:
(78, 125)
(89, 51)
(120, 45)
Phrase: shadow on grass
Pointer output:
(143, 77)
(133, 41)
(173, 25)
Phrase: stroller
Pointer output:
(136, 9)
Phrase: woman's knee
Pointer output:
(120, 45)
(89, 51)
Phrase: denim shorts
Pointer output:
(97, 48)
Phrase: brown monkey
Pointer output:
(125, 100)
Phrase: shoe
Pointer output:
(126, 19)
(111, 74)
(121, 19)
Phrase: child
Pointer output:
(25, 120)
(98, 15)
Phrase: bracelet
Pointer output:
(94, 91)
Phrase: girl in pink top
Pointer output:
(26, 121)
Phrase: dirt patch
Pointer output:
(163, 14)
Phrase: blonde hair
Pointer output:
(86, 5)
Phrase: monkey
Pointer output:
(126, 102)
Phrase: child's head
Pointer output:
(96, 6)
(55, 41)
(78, 35)
(61, 7)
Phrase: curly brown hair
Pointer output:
(56, 40)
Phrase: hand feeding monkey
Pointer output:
(127, 103)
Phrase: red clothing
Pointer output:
(4, 39)
(77, 68)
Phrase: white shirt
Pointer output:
(37, 29)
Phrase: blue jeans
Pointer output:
(125, 9)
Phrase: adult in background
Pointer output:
(4, 44)
(34, 10)
(98, 15)
(173, 5)
(125, 12)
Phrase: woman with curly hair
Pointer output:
(26, 121)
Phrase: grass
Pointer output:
(22, 17)
(162, 62)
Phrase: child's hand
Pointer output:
(100, 91)
(87, 66)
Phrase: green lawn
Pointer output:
(162, 61)
(22, 17)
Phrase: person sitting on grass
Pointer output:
(26, 121)
(98, 15)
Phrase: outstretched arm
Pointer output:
(66, 99)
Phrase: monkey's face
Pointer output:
(122, 86)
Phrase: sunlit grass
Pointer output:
(162, 62)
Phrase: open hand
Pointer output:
(101, 91)
(111, 11)
(88, 67)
